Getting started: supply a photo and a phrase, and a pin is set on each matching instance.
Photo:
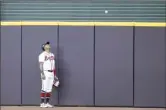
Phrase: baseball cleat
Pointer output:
(43, 105)
(49, 105)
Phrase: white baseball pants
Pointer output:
(47, 83)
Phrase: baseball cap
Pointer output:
(45, 44)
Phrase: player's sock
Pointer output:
(48, 97)
(42, 96)
(42, 100)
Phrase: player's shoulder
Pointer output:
(41, 54)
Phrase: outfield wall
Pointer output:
(101, 64)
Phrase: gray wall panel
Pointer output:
(11, 65)
(76, 65)
(33, 38)
(114, 66)
(150, 67)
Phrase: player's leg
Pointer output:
(48, 95)
(43, 93)
(49, 88)
(42, 96)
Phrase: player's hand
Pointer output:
(43, 77)
(56, 77)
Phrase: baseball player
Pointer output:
(47, 68)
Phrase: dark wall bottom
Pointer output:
(102, 66)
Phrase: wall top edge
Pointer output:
(141, 24)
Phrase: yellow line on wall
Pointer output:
(141, 24)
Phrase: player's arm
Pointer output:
(54, 62)
(55, 67)
(41, 67)
(41, 62)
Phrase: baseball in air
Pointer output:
(106, 11)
